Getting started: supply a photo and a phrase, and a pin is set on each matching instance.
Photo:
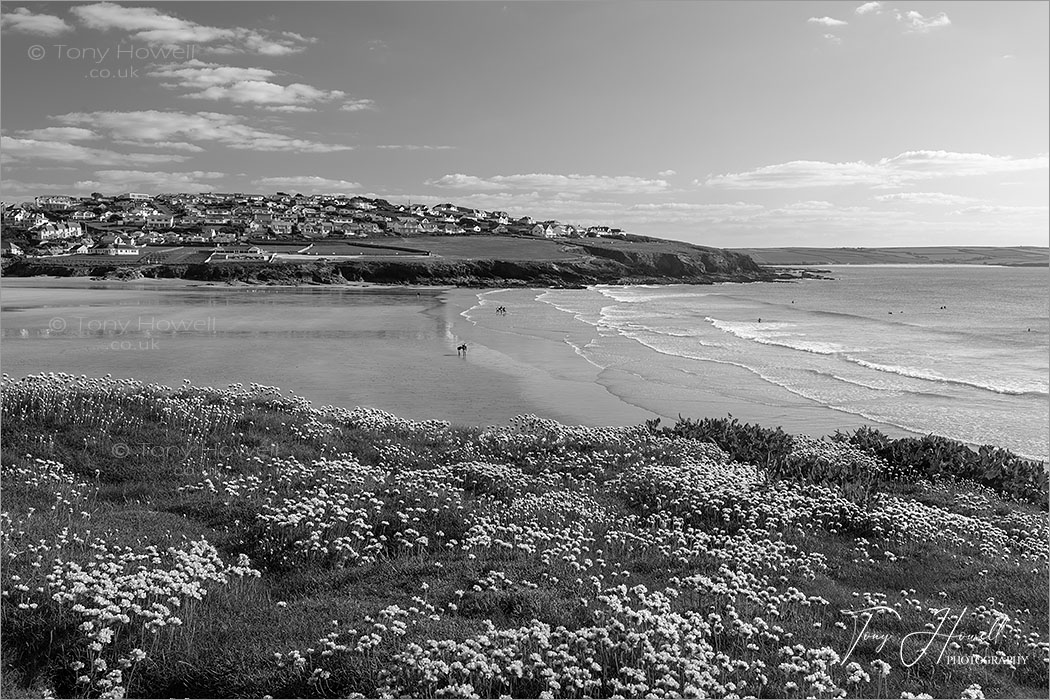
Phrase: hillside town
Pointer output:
(131, 223)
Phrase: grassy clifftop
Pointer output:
(202, 542)
(479, 261)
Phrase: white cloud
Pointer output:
(151, 181)
(213, 81)
(251, 41)
(667, 173)
(259, 92)
(887, 172)
(175, 146)
(307, 184)
(150, 25)
(32, 150)
(869, 7)
(22, 20)
(798, 173)
(198, 75)
(357, 105)
(297, 109)
(809, 205)
(917, 24)
(573, 184)
(147, 127)
(59, 133)
(827, 21)
(925, 198)
(146, 24)
(833, 39)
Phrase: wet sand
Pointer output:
(390, 348)
(348, 347)
(551, 374)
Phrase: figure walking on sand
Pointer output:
(462, 350)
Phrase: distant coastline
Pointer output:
(477, 261)
(1018, 256)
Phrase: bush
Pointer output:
(752, 444)
(934, 457)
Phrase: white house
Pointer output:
(282, 227)
(405, 225)
(54, 203)
(54, 230)
(114, 249)
(158, 220)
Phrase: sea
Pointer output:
(958, 351)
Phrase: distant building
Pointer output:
(55, 230)
(158, 220)
(405, 225)
(282, 227)
(115, 249)
(54, 203)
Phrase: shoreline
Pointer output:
(392, 348)
(175, 283)
(617, 394)
(502, 377)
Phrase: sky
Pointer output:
(734, 124)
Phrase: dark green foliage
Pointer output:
(752, 444)
(933, 457)
(786, 457)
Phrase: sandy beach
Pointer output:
(391, 348)
(341, 346)
(553, 376)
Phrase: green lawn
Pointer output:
(493, 247)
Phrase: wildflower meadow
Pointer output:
(240, 542)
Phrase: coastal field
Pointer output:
(494, 247)
(921, 255)
(239, 541)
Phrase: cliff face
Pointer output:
(597, 264)
(646, 269)
(691, 261)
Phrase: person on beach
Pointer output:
(461, 349)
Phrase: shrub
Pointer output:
(934, 457)
(752, 444)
